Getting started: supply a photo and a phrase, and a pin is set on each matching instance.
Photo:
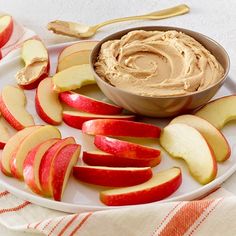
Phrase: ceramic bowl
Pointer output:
(162, 106)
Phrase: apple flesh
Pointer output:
(125, 149)
(32, 163)
(185, 142)
(45, 170)
(120, 128)
(4, 134)
(73, 78)
(10, 147)
(160, 186)
(76, 47)
(112, 176)
(6, 29)
(61, 168)
(88, 104)
(98, 158)
(38, 136)
(13, 110)
(76, 119)
(74, 59)
(47, 103)
(37, 65)
(213, 136)
(220, 111)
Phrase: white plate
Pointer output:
(80, 197)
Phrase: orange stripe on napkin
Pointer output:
(204, 218)
(35, 227)
(46, 225)
(17, 208)
(67, 225)
(55, 226)
(2, 194)
(80, 224)
(165, 218)
(184, 218)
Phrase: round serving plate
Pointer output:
(78, 196)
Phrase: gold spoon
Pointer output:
(84, 31)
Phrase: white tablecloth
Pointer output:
(215, 18)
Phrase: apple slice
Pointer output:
(10, 147)
(47, 103)
(76, 119)
(36, 137)
(45, 170)
(61, 168)
(74, 59)
(6, 29)
(32, 163)
(73, 78)
(99, 158)
(125, 149)
(13, 110)
(185, 142)
(112, 176)
(213, 136)
(220, 111)
(160, 186)
(77, 47)
(120, 128)
(76, 54)
(4, 134)
(88, 104)
(35, 56)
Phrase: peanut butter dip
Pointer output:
(32, 71)
(158, 63)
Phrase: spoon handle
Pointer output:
(166, 13)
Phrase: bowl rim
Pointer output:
(161, 28)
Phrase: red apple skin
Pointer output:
(46, 162)
(59, 168)
(14, 171)
(124, 149)
(41, 112)
(4, 171)
(88, 104)
(77, 122)
(28, 167)
(123, 128)
(9, 117)
(2, 144)
(34, 84)
(114, 177)
(153, 194)
(6, 34)
(113, 161)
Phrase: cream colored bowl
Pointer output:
(162, 106)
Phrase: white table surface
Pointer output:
(215, 18)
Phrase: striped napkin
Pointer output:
(213, 215)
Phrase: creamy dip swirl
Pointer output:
(158, 63)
